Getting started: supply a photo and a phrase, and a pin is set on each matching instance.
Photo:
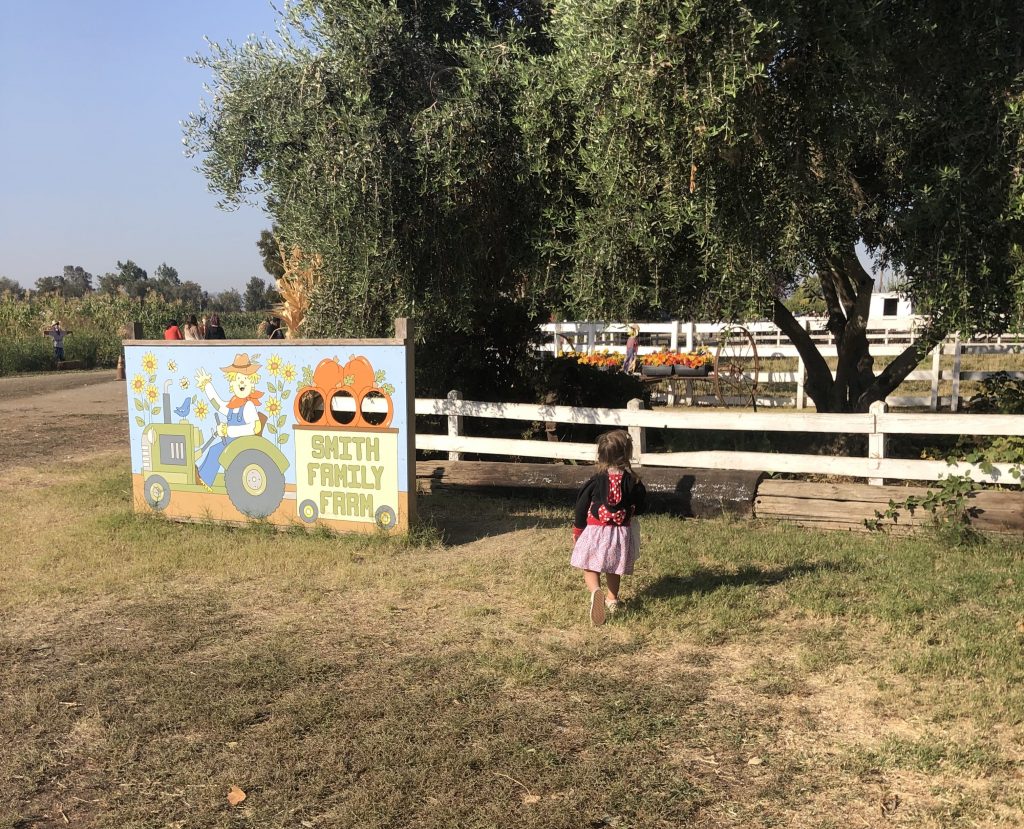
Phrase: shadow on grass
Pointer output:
(703, 580)
(467, 528)
(463, 519)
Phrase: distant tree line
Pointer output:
(132, 280)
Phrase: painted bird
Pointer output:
(183, 409)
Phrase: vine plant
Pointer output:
(949, 502)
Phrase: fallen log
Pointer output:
(687, 492)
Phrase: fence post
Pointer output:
(801, 374)
(877, 439)
(454, 425)
(936, 377)
(954, 398)
(637, 433)
(691, 336)
(673, 345)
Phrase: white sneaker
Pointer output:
(597, 608)
(613, 607)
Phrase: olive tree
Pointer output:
(382, 138)
(709, 155)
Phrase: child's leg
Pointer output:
(592, 579)
(613, 580)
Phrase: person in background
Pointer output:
(57, 334)
(203, 326)
(172, 332)
(632, 346)
(213, 329)
(192, 331)
(265, 328)
(276, 331)
(605, 532)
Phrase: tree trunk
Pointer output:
(847, 289)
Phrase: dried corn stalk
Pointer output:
(301, 272)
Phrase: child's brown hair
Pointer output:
(615, 448)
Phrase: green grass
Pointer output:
(368, 681)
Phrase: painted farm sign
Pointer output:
(284, 431)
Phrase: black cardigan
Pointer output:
(594, 494)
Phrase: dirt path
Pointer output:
(60, 416)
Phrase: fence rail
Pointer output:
(889, 338)
(878, 424)
(587, 336)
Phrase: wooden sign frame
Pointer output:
(314, 433)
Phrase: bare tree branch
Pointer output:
(819, 375)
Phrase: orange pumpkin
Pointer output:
(356, 379)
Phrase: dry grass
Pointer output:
(763, 676)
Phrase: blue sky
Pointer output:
(91, 162)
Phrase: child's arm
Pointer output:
(583, 499)
(639, 496)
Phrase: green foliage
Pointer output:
(806, 299)
(96, 321)
(382, 137)
(129, 279)
(25, 354)
(229, 300)
(564, 381)
(1000, 393)
(270, 252)
(9, 286)
(615, 122)
(705, 156)
(948, 504)
(726, 148)
(75, 281)
(613, 158)
(259, 296)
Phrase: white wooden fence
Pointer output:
(877, 467)
(678, 334)
(889, 338)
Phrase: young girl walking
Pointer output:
(606, 535)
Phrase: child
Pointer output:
(192, 331)
(606, 536)
(632, 346)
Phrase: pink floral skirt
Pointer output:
(607, 548)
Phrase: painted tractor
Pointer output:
(253, 467)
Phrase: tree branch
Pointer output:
(854, 370)
(819, 375)
(836, 315)
(896, 372)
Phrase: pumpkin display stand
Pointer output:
(732, 377)
(691, 371)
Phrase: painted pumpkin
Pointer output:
(355, 380)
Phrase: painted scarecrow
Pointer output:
(240, 411)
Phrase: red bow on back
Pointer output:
(607, 517)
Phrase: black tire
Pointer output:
(156, 492)
(255, 485)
